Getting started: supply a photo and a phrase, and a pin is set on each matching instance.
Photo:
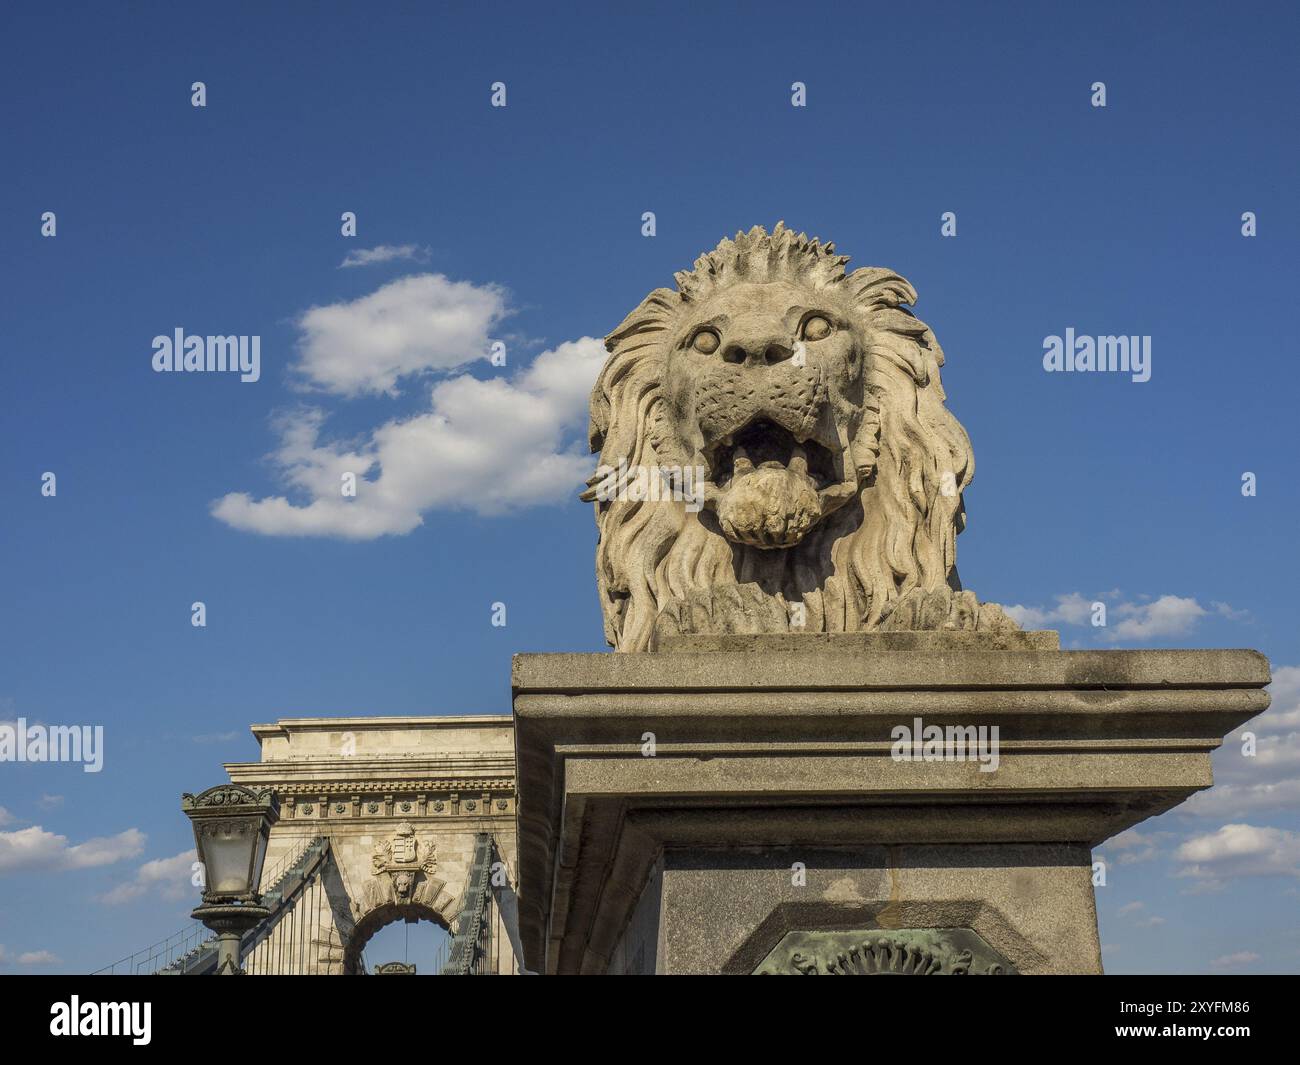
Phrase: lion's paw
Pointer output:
(944, 608)
(731, 608)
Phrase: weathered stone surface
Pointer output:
(865, 642)
(679, 860)
(796, 412)
(725, 911)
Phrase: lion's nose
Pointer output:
(757, 350)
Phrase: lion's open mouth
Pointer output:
(764, 444)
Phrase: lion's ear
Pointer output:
(874, 286)
(896, 333)
(653, 314)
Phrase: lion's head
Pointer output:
(775, 452)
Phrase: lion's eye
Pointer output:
(705, 342)
(816, 328)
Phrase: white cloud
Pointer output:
(1240, 850)
(1135, 846)
(489, 446)
(1269, 779)
(385, 253)
(172, 876)
(1134, 910)
(6, 818)
(1283, 714)
(37, 957)
(413, 325)
(35, 849)
(1226, 611)
(1070, 609)
(1147, 619)
(1229, 961)
(1234, 800)
(1170, 615)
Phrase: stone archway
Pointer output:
(381, 917)
(402, 803)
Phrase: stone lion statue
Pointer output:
(775, 454)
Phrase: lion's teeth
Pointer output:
(799, 460)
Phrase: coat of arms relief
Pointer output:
(402, 868)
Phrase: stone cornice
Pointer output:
(831, 670)
(286, 725)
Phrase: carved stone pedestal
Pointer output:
(745, 804)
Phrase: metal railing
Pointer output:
(182, 951)
(471, 946)
(163, 954)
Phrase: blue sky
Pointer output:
(523, 224)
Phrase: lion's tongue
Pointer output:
(769, 506)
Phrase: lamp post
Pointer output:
(231, 827)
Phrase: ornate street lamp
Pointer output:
(231, 827)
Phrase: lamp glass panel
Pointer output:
(259, 858)
(227, 855)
